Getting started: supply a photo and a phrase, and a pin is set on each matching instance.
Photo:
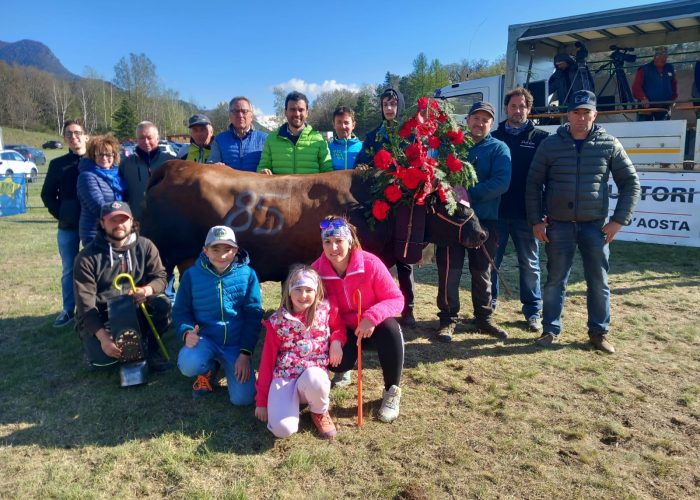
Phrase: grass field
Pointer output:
(479, 418)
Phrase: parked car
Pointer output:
(169, 147)
(52, 145)
(30, 153)
(13, 163)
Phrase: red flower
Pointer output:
(442, 194)
(442, 118)
(434, 142)
(383, 159)
(453, 163)
(457, 137)
(380, 209)
(412, 177)
(392, 193)
(415, 154)
(422, 103)
(426, 129)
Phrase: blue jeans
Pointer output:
(68, 247)
(198, 360)
(564, 237)
(528, 251)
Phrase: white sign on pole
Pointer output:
(668, 212)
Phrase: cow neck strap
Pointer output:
(459, 225)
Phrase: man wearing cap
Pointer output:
(201, 134)
(241, 145)
(118, 249)
(566, 199)
(654, 82)
(138, 167)
(491, 160)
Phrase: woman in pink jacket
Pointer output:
(345, 268)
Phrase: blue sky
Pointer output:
(210, 51)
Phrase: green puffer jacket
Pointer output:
(576, 183)
(310, 155)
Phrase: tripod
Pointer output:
(583, 74)
(615, 68)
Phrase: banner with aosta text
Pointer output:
(669, 209)
(13, 195)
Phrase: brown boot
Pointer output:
(487, 325)
(600, 342)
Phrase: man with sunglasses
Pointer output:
(60, 195)
(241, 145)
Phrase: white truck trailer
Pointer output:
(666, 153)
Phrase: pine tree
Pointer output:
(125, 120)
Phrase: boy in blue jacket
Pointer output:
(217, 313)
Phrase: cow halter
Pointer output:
(459, 225)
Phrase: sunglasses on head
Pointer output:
(336, 223)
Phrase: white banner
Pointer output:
(668, 212)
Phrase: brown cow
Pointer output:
(276, 218)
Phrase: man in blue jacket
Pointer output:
(491, 160)
(241, 145)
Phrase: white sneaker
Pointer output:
(389, 410)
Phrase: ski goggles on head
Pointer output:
(335, 228)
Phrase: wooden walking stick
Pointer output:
(357, 298)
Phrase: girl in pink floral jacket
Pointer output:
(302, 337)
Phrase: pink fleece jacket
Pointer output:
(381, 297)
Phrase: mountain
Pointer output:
(36, 54)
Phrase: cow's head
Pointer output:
(462, 227)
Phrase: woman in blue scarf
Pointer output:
(98, 183)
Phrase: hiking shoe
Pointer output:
(534, 324)
(407, 319)
(203, 385)
(444, 333)
(489, 327)
(324, 424)
(64, 319)
(341, 379)
(600, 342)
(547, 340)
(389, 411)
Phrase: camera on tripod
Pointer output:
(581, 53)
(620, 55)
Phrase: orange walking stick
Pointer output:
(357, 298)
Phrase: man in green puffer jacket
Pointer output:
(566, 200)
(295, 148)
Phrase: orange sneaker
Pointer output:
(203, 385)
(324, 424)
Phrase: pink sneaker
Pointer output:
(324, 424)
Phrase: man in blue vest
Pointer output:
(655, 85)
(241, 145)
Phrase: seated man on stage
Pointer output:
(118, 249)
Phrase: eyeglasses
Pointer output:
(336, 223)
(106, 155)
(239, 111)
(69, 133)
